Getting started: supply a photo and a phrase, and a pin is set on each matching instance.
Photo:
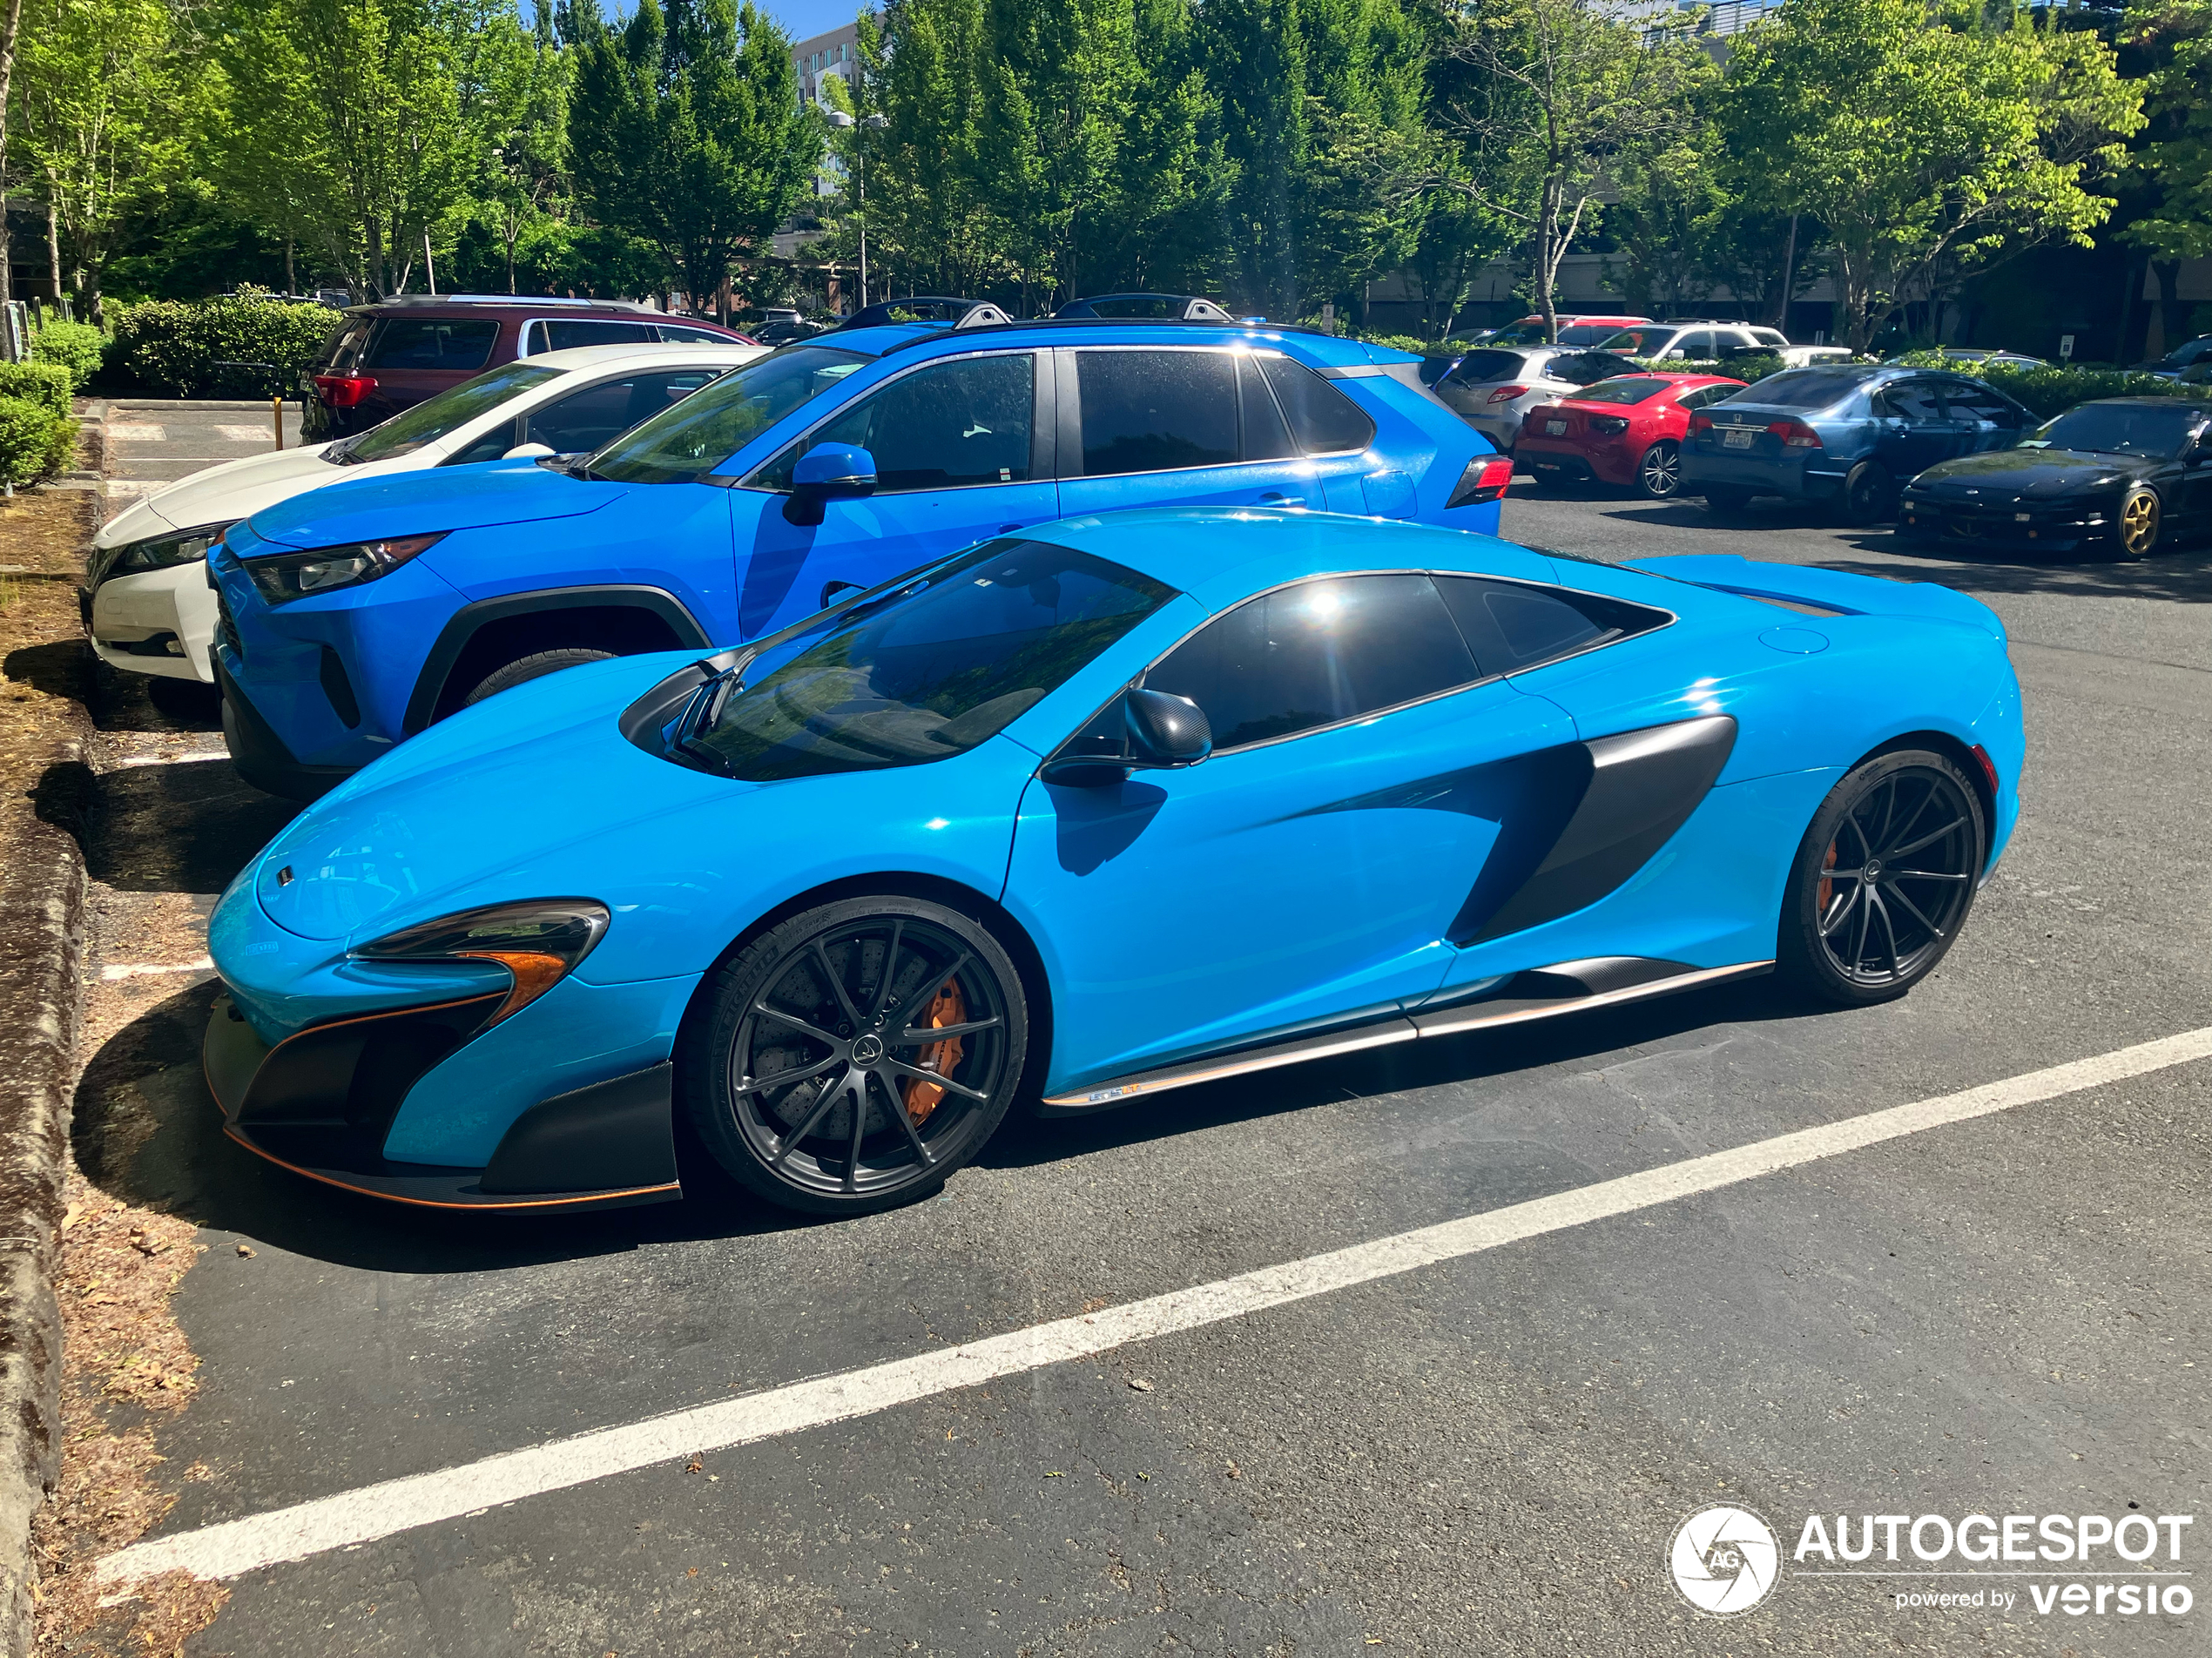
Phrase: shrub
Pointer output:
(44, 383)
(77, 346)
(2048, 391)
(173, 345)
(35, 442)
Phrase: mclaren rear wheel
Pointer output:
(1884, 879)
(850, 1058)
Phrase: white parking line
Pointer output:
(132, 970)
(137, 432)
(194, 756)
(264, 433)
(238, 1546)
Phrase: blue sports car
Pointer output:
(1122, 804)
(353, 618)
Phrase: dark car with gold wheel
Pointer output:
(2122, 476)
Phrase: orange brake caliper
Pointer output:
(948, 1007)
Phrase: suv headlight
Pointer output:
(161, 552)
(539, 940)
(284, 577)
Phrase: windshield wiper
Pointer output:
(701, 710)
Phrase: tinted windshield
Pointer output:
(1620, 391)
(2119, 428)
(1585, 334)
(931, 670)
(434, 417)
(1481, 367)
(1803, 388)
(1638, 342)
(714, 422)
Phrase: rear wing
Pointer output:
(1838, 592)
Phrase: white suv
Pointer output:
(1493, 387)
(145, 599)
(1705, 341)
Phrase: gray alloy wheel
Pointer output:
(1659, 474)
(535, 666)
(852, 1057)
(1883, 880)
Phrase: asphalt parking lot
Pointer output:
(1491, 1453)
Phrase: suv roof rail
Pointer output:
(1187, 308)
(1003, 321)
(531, 299)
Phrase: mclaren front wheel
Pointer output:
(852, 1057)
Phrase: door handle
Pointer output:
(1277, 498)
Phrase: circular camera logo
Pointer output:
(1724, 1560)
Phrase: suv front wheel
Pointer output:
(536, 666)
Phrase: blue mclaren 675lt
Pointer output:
(1117, 805)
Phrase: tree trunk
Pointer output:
(8, 26)
(2169, 305)
(53, 243)
(1789, 278)
(291, 276)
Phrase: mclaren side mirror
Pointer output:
(828, 472)
(1160, 732)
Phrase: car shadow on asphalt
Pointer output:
(147, 1130)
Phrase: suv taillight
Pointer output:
(343, 391)
(1507, 393)
(1488, 477)
(1795, 434)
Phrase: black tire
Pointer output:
(1913, 819)
(536, 666)
(811, 998)
(2136, 533)
(1869, 495)
(1659, 473)
(1547, 477)
(1727, 500)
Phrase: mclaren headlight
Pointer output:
(284, 577)
(539, 941)
(160, 552)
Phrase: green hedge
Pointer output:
(77, 346)
(173, 345)
(35, 442)
(46, 384)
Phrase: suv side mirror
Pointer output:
(828, 472)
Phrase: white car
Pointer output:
(1693, 341)
(145, 599)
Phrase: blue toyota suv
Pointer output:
(354, 615)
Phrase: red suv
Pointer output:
(384, 358)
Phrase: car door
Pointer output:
(1986, 419)
(1154, 426)
(962, 448)
(1913, 430)
(1363, 777)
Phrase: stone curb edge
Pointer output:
(43, 917)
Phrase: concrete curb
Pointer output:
(43, 901)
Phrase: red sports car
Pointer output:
(1627, 429)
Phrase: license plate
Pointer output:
(1738, 437)
(1556, 429)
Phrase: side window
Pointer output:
(404, 343)
(589, 419)
(1769, 337)
(342, 350)
(1968, 403)
(1157, 411)
(681, 333)
(1315, 654)
(946, 427)
(1914, 401)
(1323, 419)
(1480, 369)
(560, 333)
(1266, 437)
(1510, 627)
(1698, 346)
(1705, 394)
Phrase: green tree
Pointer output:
(370, 126)
(1560, 97)
(686, 131)
(1924, 146)
(2176, 161)
(104, 99)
